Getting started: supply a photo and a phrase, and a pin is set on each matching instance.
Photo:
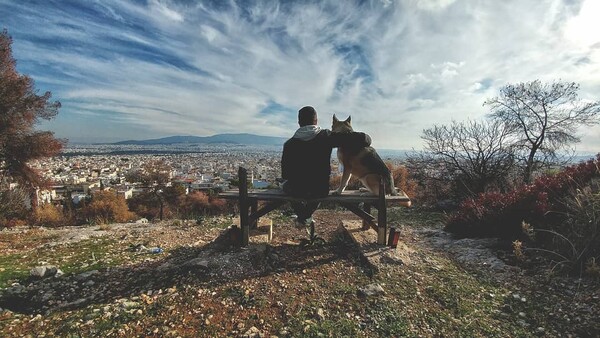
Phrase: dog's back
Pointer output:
(364, 163)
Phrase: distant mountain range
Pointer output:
(219, 138)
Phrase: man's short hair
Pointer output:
(307, 116)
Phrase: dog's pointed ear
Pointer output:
(335, 119)
(348, 119)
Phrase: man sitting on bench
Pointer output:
(305, 163)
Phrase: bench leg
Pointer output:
(253, 208)
(381, 215)
(244, 206)
(367, 208)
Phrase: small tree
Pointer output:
(472, 157)
(12, 205)
(48, 215)
(106, 207)
(155, 176)
(195, 204)
(20, 109)
(173, 196)
(543, 119)
(403, 179)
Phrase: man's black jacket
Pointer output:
(306, 164)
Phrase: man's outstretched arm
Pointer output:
(353, 139)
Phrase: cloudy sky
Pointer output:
(138, 69)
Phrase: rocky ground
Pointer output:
(107, 281)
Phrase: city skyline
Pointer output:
(149, 69)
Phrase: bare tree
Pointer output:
(543, 119)
(13, 204)
(472, 155)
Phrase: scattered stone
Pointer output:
(522, 314)
(138, 248)
(130, 304)
(74, 304)
(43, 271)
(36, 318)
(371, 290)
(252, 332)
(388, 258)
(321, 314)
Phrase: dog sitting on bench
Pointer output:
(362, 162)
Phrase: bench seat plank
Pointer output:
(352, 196)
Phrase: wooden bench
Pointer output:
(275, 198)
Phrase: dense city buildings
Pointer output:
(83, 169)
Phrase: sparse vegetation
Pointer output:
(48, 215)
(304, 292)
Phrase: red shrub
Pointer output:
(501, 214)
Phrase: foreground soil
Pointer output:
(201, 286)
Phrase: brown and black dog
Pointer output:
(363, 163)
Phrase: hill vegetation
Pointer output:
(199, 287)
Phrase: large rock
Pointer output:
(43, 271)
(201, 263)
(85, 275)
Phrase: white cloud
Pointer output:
(162, 9)
(584, 28)
(171, 67)
(433, 5)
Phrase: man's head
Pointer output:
(307, 116)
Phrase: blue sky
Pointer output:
(126, 69)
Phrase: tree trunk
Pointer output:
(161, 210)
(529, 166)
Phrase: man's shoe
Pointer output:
(303, 223)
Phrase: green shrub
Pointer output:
(572, 236)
